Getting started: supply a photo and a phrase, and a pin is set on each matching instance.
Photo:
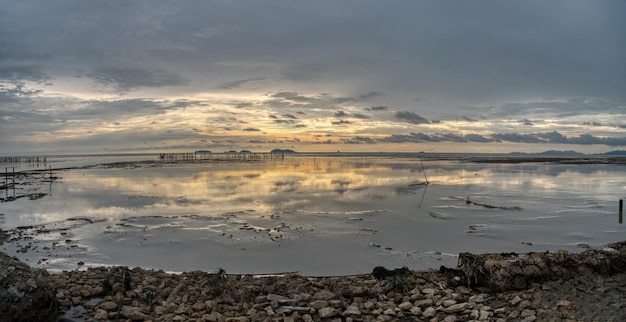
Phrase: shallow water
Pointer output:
(319, 215)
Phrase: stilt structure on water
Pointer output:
(227, 156)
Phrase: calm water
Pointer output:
(313, 214)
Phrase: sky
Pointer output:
(108, 76)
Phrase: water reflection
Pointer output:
(378, 207)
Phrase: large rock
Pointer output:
(25, 294)
(510, 271)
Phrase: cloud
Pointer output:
(245, 104)
(360, 140)
(477, 138)
(251, 129)
(23, 73)
(340, 122)
(126, 79)
(360, 116)
(239, 83)
(358, 98)
(410, 117)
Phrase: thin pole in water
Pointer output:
(621, 206)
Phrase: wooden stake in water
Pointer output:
(621, 206)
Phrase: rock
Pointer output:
(274, 297)
(133, 313)
(101, 315)
(479, 298)
(389, 312)
(108, 306)
(405, 306)
(200, 306)
(416, 310)
(25, 293)
(324, 295)
(455, 308)
(327, 312)
(424, 303)
(515, 301)
(447, 303)
(429, 312)
(351, 310)
(319, 304)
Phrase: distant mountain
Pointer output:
(556, 152)
(616, 152)
(278, 151)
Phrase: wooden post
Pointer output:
(621, 207)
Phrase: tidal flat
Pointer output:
(318, 215)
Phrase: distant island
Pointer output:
(571, 153)
(616, 152)
(281, 151)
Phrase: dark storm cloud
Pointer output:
(126, 79)
(410, 117)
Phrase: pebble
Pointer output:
(201, 296)
(327, 312)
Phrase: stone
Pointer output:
(479, 298)
(324, 295)
(429, 312)
(25, 292)
(406, 306)
(327, 312)
(515, 300)
(133, 313)
(200, 306)
(351, 310)
(369, 305)
(455, 308)
(390, 312)
(359, 291)
(319, 304)
(274, 297)
(450, 318)
(108, 306)
(447, 303)
(160, 310)
(424, 302)
(416, 310)
(101, 315)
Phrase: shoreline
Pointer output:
(557, 286)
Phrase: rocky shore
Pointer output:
(559, 286)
